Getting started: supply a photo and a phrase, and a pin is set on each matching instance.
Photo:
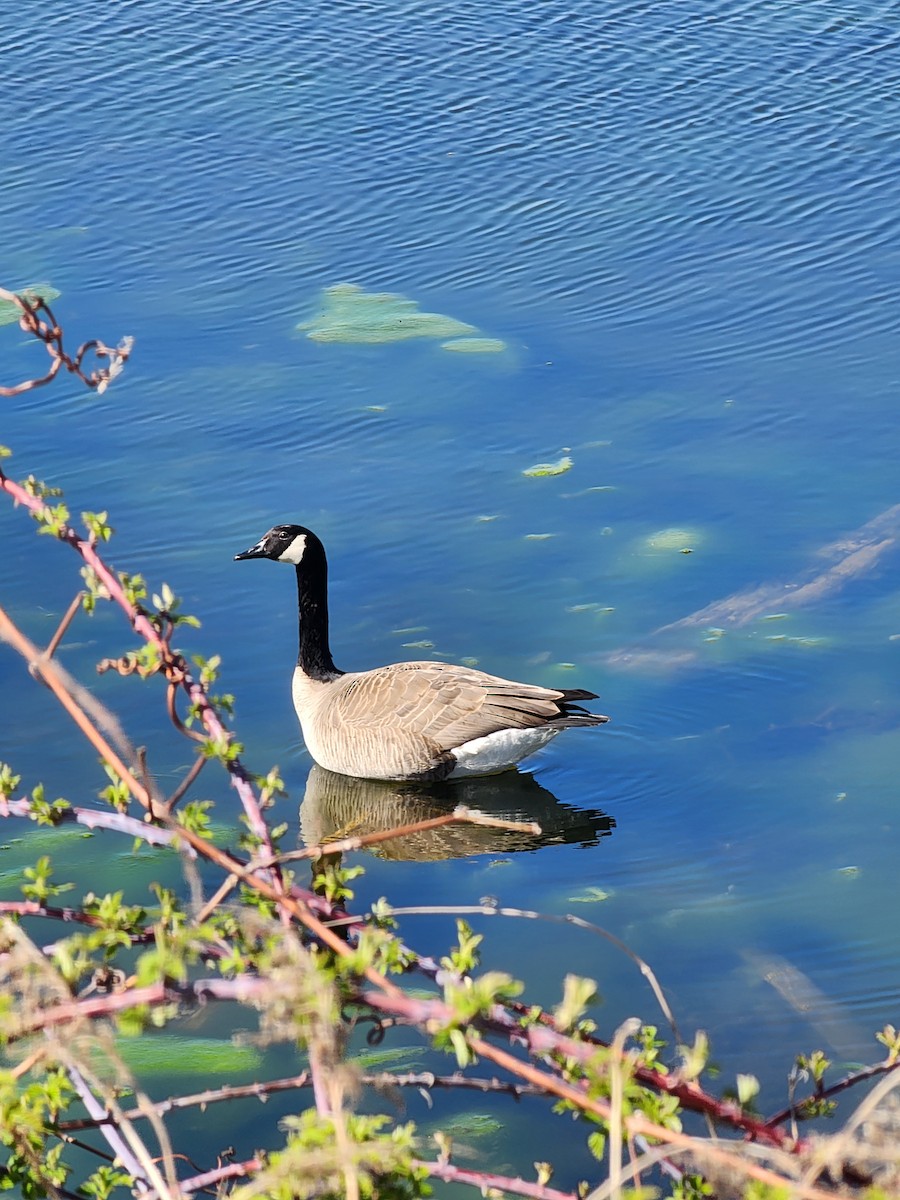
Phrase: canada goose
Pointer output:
(410, 720)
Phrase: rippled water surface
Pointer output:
(680, 221)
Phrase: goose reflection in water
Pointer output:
(340, 806)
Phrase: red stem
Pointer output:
(483, 1180)
(147, 630)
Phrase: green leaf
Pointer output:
(578, 993)
(695, 1057)
(747, 1088)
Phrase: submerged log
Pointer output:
(839, 563)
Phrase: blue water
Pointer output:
(680, 219)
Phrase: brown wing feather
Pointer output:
(447, 705)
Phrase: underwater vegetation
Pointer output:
(475, 345)
(550, 468)
(10, 313)
(352, 316)
(682, 540)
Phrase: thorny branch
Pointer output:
(174, 666)
(422, 1081)
(38, 320)
(93, 818)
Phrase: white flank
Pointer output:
(497, 751)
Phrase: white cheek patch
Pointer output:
(294, 551)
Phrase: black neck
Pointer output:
(314, 658)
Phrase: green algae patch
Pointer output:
(11, 882)
(147, 1055)
(667, 541)
(475, 345)
(10, 312)
(350, 315)
(390, 1058)
(470, 1125)
(44, 839)
(797, 641)
(555, 468)
(591, 895)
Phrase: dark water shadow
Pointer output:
(339, 806)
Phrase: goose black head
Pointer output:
(283, 543)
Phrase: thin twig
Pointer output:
(145, 628)
(139, 1165)
(460, 815)
(617, 1070)
(637, 1123)
(196, 767)
(886, 1067)
(47, 672)
(486, 1179)
(64, 624)
(225, 887)
(31, 908)
(834, 1152)
(421, 1080)
(490, 910)
(209, 1179)
(652, 1157)
(105, 720)
(92, 818)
